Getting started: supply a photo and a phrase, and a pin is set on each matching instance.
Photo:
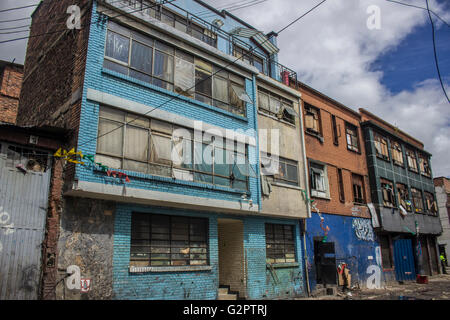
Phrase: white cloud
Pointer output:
(332, 50)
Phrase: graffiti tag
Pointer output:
(7, 228)
(75, 282)
(363, 229)
(374, 280)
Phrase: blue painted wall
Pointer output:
(261, 284)
(107, 81)
(350, 249)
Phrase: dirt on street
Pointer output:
(437, 288)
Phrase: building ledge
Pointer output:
(283, 265)
(133, 269)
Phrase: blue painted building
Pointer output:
(165, 199)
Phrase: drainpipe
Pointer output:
(308, 207)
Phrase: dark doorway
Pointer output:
(325, 261)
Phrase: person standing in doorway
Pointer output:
(443, 264)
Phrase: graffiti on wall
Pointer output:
(374, 280)
(6, 227)
(75, 282)
(363, 229)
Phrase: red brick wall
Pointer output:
(336, 157)
(51, 95)
(10, 86)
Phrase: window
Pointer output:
(403, 197)
(155, 147)
(282, 170)
(275, 105)
(162, 240)
(397, 154)
(280, 245)
(318, 180)
(28, 159)
(341, 186)
(358, 188)
(424, 166)
(417, 199)
(312, 119)
(334, 130)
(381, 147)
(182, 24)
(412, 163)
(154, 62)
(352, 137)
(386, 255)
(387, 190)
(431, 203)
(250, 58)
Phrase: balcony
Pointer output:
(169, 13)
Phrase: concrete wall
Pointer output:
(86, 240)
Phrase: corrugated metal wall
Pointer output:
(23, 208)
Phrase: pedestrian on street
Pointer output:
(443, 263)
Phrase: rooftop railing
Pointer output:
(169, 13)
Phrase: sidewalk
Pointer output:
(438, 288)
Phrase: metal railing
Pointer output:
(211, 35)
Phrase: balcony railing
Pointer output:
(202, 30)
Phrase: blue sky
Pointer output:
(412, 61)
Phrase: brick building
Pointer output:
(139, 81)
(442, 188)
(402, 191)
(10, 84)
(339, 187)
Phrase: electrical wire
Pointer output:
(235, 5)
(221, 69)
(435, 54)
(18, 8)
(418, 7)
(238, 7)
(89, 23)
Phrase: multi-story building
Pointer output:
(10, 84)
(162, 195)
(402, 191)
(340, 229)
(442, 189)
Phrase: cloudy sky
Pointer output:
(389, 71)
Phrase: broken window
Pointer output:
(341, 186)
(397, 153)
(275, 105)
(162, 240)
(27, 159)
(387, 190)
(312, 119)
(358, 188)
(280, 243)
(352, 137)
(162, 65)
(381, 147)
(250, 58)
(431, 203)
(417, 199)
(318, 180)
(412, 162)
(403, 197)
(424, 165)
(334, 130)
(280, 170)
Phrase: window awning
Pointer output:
(258, 37)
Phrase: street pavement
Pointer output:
(437, 288)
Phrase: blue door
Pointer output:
(404, 260)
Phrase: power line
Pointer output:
(18, 8)
(89, 23)
(234, 6)
(214, 73)
(418, 7)
(14, 20)
(238, 8)
(435, 54)
(11, 28)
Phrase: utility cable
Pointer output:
(234, 8)
(89, 23)
(418, 7)
(435, 54)
(18, 8)
(221, 69)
